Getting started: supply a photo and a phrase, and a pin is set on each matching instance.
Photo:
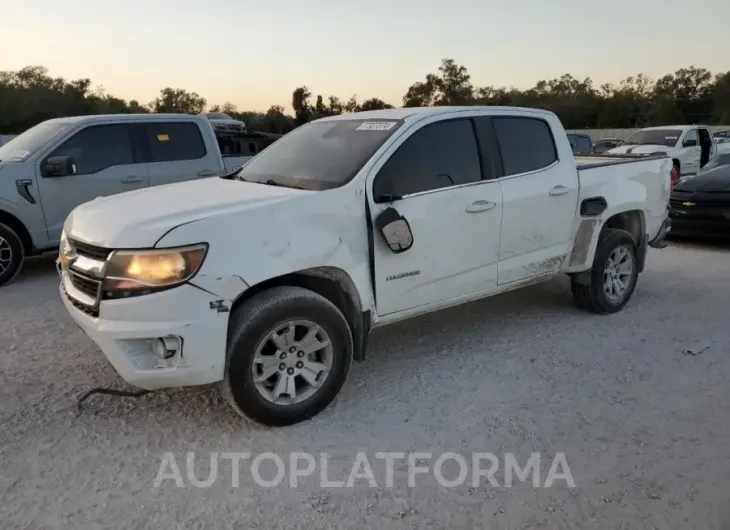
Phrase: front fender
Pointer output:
(254, 246)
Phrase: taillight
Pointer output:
(673, 176)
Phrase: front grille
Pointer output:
(86, 285)
(91, 311)
(700, 203)
(90, 251)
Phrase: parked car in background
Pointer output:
(58, 164)
(690, 147)
(224, 123)
(722, 134)
(700, 205)
(605, 144)
(580, 143)
(270, 280)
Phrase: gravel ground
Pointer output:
(643, 426)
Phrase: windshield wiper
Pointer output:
(271, 182)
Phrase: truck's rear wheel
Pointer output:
(289, 352)
(12, 254)
(614, 274)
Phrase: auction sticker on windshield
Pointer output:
(19, 154)
(376, 126)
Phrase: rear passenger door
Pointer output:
(107, 162)
(539, 197)
(176, 152)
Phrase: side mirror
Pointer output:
(58, 166)
(395, 230)
(689, 143)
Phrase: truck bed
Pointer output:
(600, 160)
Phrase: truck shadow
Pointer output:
(38, 267)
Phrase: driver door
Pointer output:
(690, 152)
(436, 181)
(106, 163)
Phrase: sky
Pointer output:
(255, 53)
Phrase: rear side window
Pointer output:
(526, 144)
(98, 147)
(174, 141)
(437, 156)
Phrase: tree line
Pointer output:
(690, 95)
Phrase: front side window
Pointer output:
(174, 141)
(98, 147)
(526, 144)
(439, 155)
(691, 139)
(320, 155)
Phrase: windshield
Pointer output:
(218, 116)
(667, 137)
(319, 155)
(21, 147)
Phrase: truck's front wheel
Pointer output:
(11, 254)
(613, 278)
(289, 352)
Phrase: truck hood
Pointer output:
(138, 219)
(639, 149)
(715, 180)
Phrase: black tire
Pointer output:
(252, 321)
(592, 297)
(12, 254)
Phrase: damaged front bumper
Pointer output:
(169, 339)
(659, 240)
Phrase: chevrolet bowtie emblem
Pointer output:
(688, 203)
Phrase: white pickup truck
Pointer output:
(691, 147)
(61, 163)
(271, 280)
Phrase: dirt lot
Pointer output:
(644, 427)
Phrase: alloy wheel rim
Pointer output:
(6, 255)
(292, 362)
(617, 274)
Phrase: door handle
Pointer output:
(132, 179)
(559, 190)
(480, 206)
(207, 173)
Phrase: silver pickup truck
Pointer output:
(59, 164)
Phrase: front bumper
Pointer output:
(126, 329)
(690, 224)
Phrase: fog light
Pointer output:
(166, 348)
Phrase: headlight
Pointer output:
(130, 272)
(63, 250)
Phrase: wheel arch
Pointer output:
(589, 232)
(335, 285)
(19, 228)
